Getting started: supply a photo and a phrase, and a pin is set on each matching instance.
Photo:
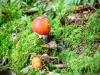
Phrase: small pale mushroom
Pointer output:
(13, 37)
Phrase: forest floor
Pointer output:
(73, 44)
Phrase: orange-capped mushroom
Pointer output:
(41, 26)
(36, 62)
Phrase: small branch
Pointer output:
(91, 6)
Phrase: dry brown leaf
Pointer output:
(48, 6)
(51, 45)
(47, 58)
(31, 11)
(60, 65)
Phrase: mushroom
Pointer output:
(41, 26)
(36, 62)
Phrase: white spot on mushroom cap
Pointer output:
(39, 17)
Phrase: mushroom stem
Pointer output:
(43, 37)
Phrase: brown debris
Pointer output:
(51, 45)
(61, 65)
(84, 8)
(80, 15)
(6, 16)
(31, 11)
(48, 6)
(47, 58)
(75, 19)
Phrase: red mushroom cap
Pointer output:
(41, 26)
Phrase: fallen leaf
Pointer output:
(48, 6)
(60, 65)
(51, 45)
(47, 58)
(31, 11)
(53, 73)
(26, 69)
(75, 19)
